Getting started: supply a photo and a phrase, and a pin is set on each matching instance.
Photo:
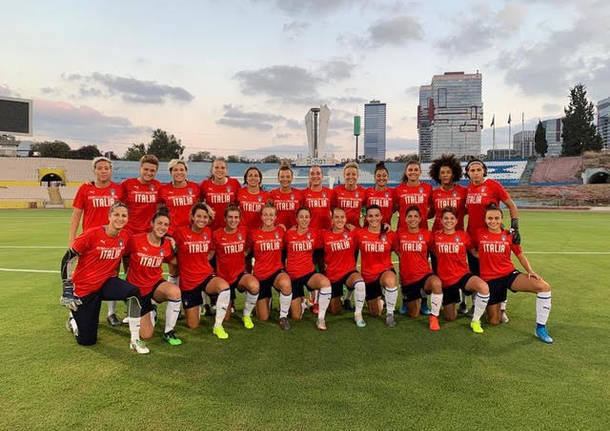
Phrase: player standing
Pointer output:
(350, 196)
(411, 191)
(179, 195)
(287, 199)
(219, 191)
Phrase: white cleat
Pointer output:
(139, 347)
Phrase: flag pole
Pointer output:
(493, 141)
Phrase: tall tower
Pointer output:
(425, 115)
(316, 126)
(374, 130)
(603, 121)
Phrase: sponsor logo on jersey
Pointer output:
(152, 188)
(421, 189)
(112, 192)
(260, 198)
(121, 242)
(420, 237)
(239, 237)
(277, 235)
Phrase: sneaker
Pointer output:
(248, 323)
(321, 324)
(70, 328)
(220, 332)
(476, 327)
(139, 347)
(504, 318)
(360, 323)
(390, 322)
(284, 323)
(113, 320)
(463, 308)
(347, 305)
(403, 308)
(433, 323)
(170, 337)
(424, 310)
(544, 336)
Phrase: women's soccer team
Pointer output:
(219, 238)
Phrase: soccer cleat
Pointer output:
(284, 323)
(72, 328)
(248, 323)
(390, 322)
(433, 323)
(476, 327)
(220, 332)
(463, 308)
(113, 320)
(347, 305)
(504, 317)
(403, 308)
(170, 337)
(139, 347)
(125, 320)
(321, 324)
(360, 323)
(544, 336)
(424, 310)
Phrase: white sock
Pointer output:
(503, 305)
(285, 304)
(205, 297)
(153, 317)
(134, 328)
(324, 298)
(360, 294)
(173, 279)
(250, 303)
(349, 295)
(111, 307)
(543, 307)
(134, 312)
(222, 303)
(171, 314)
(391, 295)
(436, 300)
(303, 306)
(480, 304)
(73, 324)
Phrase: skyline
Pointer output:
(241, 74)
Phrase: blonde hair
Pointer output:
(174, 162)
(149, 158)
(351, 165)
(96, 160)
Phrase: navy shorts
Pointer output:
(235, 285)
(299, 285)
(473, 263)
(374, 289)
(451, 294)
(337, 286)
(146, 301)
(265, 285)
(498, 287)
(412, 292)
(192, 298)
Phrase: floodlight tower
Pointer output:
(315, 112)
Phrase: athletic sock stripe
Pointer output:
(543, 297)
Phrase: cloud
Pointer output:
(349, 100)
(6, 91)
(551, 108)
(49, 90)
(310, 7)
(131, 90)
(61, 120)
(337, 69)
(395, 31)
(412, 91)
(279, 81)
(235, 116)
(295, 29)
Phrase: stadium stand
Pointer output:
(558, 171)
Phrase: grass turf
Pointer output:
(346, 378)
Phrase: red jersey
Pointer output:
(251, 207)
(141, 200)
(218, 197)
(450, 251)
(230, 253)
(267, 248)
(407, 196)
(287, 205)
(145, 261)
(193, 263)
(478, 197)
(299, 251)
(320, 204)
(179, 201)
(99, 258)
(383, 199)
(412, 250)
(494, 253)
(455, 198)
(339, 254)
(96, 202)
(351, 201)
(375, 253)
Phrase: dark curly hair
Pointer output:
(448, 160)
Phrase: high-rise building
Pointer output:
(322, 131)
(453, 106)
(603, 121)
(374, 130)
(523, 143)
(554, 140)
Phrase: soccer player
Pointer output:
(300, 242)
(412, 191)
(350, 196)
(446, 171)
(179, 195)
(481, 192)
(375, 245)
(381, 195)
(219, 191)
(416, 277)
(231, 247)
(99, 251)
(147, 251)
(450, 247)
(340, 265)
(494, 246)
(194, 245)
(267, 243)
(319, 199)
(252, 198)
(287, 199)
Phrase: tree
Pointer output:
(52, 149)
(87, 152)
(165, 147)
(111, 155)
(540, 144)
(579, 133)
(135, 152)
(201, 156)
(232, 159)
(403, 158)
(271, 159)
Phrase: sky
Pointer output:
(238, 76)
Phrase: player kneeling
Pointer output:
(99, 251)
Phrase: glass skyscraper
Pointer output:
(603, 121)
(374, 130)
(554, 139)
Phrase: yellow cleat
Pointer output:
(220, 332)
(476, 327)
(248, 323)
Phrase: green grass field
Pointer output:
(346, 378)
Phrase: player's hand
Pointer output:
(534, 276)
(68, 298)
(350, 226)
(387, 227)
